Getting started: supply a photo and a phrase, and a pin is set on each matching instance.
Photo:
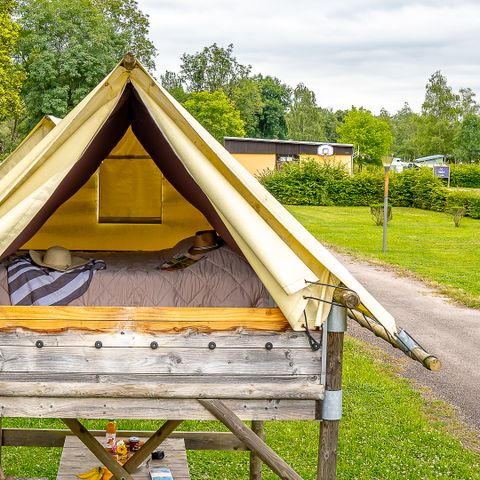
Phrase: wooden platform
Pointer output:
(76, 458)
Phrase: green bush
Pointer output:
(311, 183)
(465, 176)
(469, 200)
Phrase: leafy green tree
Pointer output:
(304, 119)
(404, 126)
(245, 94)
(211, 69)
(10, 76)
(371, 136)
(276, 101)
(216, 112)
(131, 29)
(467, 102)
(467, 139)
(173, 83)
(330, 122)
(439, 119)
(67, 46)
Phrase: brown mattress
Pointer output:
(222, 278)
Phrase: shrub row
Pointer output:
(309, 183)
(469, 200)
(466, 176)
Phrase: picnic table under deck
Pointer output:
(77, 458)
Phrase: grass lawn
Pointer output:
(423, 242)
(389, 432)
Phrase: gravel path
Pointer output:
(450, 332)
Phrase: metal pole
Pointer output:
(385, 209)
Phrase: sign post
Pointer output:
(442, 171)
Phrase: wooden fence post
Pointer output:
(255, 461)
(332, 404)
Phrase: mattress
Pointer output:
(222, 278)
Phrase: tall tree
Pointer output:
(211, 69)
(304, 119)
(371, 136)
(11, 77)
(245, 94)
(173, 83)
(439, 119)
(467, 139)
(67, 46)
(216, 113)
(404, 126)
(131, 29)
(276, 99)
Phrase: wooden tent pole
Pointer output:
(332, 403)
(255, 461)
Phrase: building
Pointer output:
(258, 154)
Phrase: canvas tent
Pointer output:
(263, 370)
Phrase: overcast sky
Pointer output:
(371, 53)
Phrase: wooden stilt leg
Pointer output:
(255, 461)
(332, 404)
(219, 410)
(2, 476)
(97, 449)
(151, 444)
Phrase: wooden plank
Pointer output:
(255, 461)
(96, 448)
(186, 339)
(23, 437)
(194, 361)
(147, 409)
(77, 459)
(151, 444)
(141, 319)
(289, 381)
(253, 442)
(244, 390)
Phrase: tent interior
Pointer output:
(130, 193)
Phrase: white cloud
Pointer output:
(365, 52)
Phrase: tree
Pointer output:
(211, 69)
(439, 119)
(467, 139)
(245, 94)
(67, 46)
(276, 100)
(11, 78)
(173, 83)
(467, 102)
(216, 113)
(404, 125)
(304, 119)
(371, 136)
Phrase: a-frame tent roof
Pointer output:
(292, 264)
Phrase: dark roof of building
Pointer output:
(281, 147)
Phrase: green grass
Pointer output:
(423, 242)
(389, 431)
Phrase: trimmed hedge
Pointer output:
(466, 176)
(469, 200)
(310, 183)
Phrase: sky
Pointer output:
(370, 53)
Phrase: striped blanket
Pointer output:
(29, 284)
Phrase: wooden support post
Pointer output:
(255, 461)
(255, 444)
(2, 476)
(151, 444)
(332, 404)
(97, 449)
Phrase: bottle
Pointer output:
(110, 433)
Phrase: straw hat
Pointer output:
(205, 241)
(57, 258)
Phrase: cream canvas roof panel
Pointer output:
(296, 269)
